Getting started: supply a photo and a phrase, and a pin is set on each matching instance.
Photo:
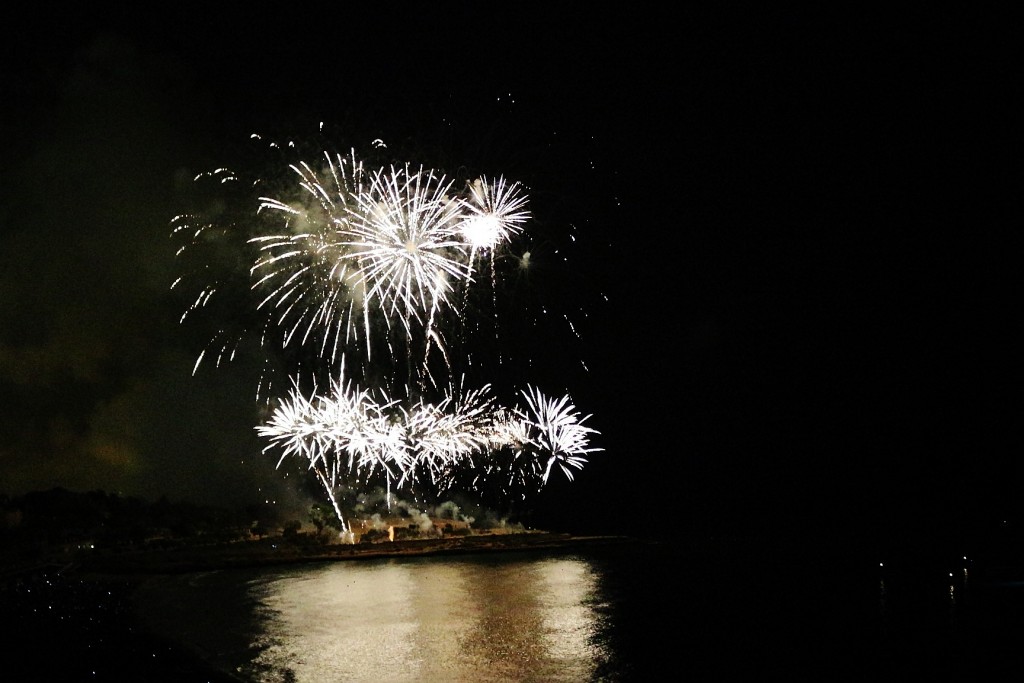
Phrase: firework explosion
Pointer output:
(368, 282)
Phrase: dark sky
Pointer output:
(803, 223)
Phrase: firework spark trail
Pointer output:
(392, 248)
(495, 213)
(352, 437)
(408, 247)
(353, 256)
(406, 240)
(304, 270)
(559, 431)
(346, 435)
(444, 435)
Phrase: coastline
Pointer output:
(281, 550)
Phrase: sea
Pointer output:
(634, 610)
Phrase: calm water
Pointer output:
(616, 613)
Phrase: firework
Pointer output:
(495, 212)
(346, 436)
(352, 439)
(304, 276)
(373, 270)
(557, 429)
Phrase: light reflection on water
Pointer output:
(614, 614)
(425, 621)
(414, 619)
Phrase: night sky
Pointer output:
(796, 245)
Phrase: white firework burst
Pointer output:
(405, 242)
(495, 212)
(446, 434)
(306, 279)
(557, 430)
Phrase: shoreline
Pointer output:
(279, 550)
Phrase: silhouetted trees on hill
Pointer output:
(59, 517)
